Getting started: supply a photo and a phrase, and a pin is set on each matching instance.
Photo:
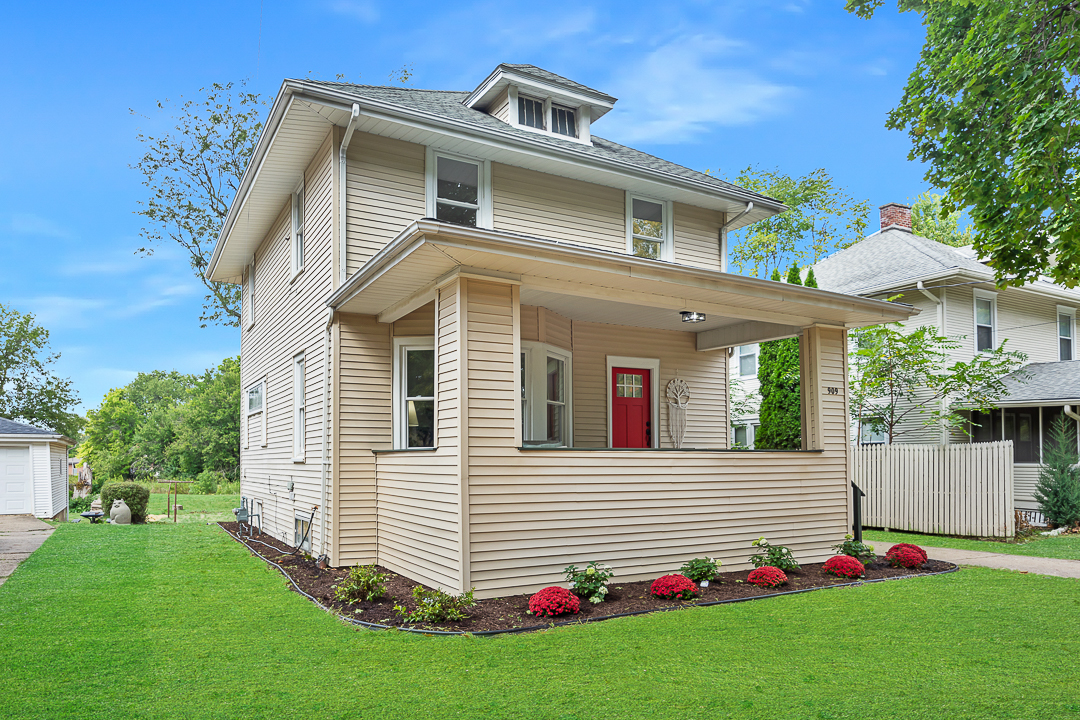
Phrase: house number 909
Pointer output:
(832, 390)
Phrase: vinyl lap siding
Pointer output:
(697, 236)
(290, 318)
(501, 107)
(58, 477)
(1025, 477)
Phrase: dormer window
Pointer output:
(531, 112)
(562, 121)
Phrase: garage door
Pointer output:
(16, 482)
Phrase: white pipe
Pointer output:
(325, 435)
(723, 235)
(343, 203)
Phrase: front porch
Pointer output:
(477, 411)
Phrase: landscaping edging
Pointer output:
(564, 623)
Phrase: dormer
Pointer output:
(539, 101)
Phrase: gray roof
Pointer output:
(1042, 383)
(10, 427)
(448, 103)
(892, 259)
(542, 74)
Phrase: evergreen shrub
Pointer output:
(135, 495)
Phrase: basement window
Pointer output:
(302, 534)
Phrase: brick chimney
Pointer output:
(896, 214)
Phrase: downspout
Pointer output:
(941, 330)
(722, 239)
(344, 197)
(324, 546)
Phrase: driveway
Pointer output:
(20, 535)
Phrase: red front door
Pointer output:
(631, 414)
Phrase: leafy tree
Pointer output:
(29, 391)
(821, 218)
(993, 108)
(193, 174)
(208, 427)
(930, 219)
(1058, 488)
(901, 381)
(108, 442)
(781, 396)
(158, 390)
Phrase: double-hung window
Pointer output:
(255, 417)
(748, 360)
(298, 231)
(299, 408)
(546, 395)
(1066, 324)
(985, 320)
(648, 228)
(414, 393)
(459, 190)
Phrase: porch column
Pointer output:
(823, 366)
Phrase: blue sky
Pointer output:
(794, 85)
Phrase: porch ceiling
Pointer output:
(598, 286)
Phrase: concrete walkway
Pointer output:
(1001, 561)
(20, 535)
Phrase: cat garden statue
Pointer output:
(120, 514)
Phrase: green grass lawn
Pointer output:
(1066, 547)
(198, 508)
(178, 621)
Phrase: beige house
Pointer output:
(481, 343)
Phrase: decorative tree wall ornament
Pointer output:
(678, 395)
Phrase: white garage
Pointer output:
(33, 471)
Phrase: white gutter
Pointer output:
(325, 434)
(343, 203)
(724, 232)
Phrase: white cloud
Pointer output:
(685, 87)
(362, 10)
(37, 226)
(60, 311)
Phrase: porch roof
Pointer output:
(595, 285)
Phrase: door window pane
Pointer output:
(628, 385)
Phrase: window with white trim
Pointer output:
(302, 533)
(299, 408)
(531, 112)
(546, 395)
(414, 393)
(459, 189)
(251, 292)
(298, 230)
(563, 121)
(748, 360)
(1066, 328)
(648, 228)
(985, 320)
(743, 436)
(255, 417)
(871, 435)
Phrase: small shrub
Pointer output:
(1058, 488)
(552, 601)
(844, 566)
(434, 606)
(906, 555)
(701, 569)
(363, 582)
(590, 582)
(135, 495)
(767, 576)
(206, 482)
(674, 587)
(859, 550)
(776, 556)
(80, 505)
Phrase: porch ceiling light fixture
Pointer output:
(689, 316)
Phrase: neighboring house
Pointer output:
(463, 316)
(33, 471)
(744, 368)
(957, 295)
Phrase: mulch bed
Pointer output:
(510, 613)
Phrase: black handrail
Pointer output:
(857, 511)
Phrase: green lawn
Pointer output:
(1066, 547)
(198, 508)
(177, 621)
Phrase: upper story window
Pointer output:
(531, 112)
(985, 320)
(648, 228)
(545, 395)
(414, 393)
(748, 360)
(563, 121)
(298, 231)
(1066, 324)
(459, 190)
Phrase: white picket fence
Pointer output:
(937, 489)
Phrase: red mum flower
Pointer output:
(674, 586)
(906, 555)
(844, 566)
(767, 576)
(552, 601)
